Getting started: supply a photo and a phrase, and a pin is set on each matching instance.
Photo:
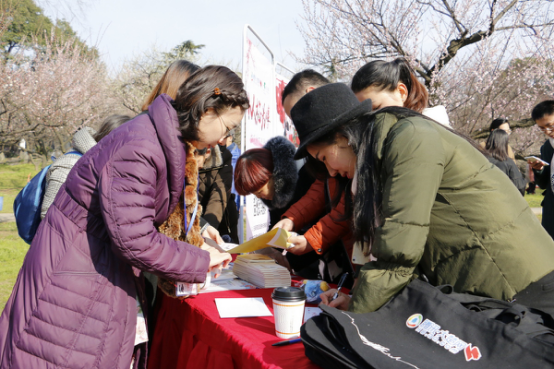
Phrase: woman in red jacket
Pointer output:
(270, 173)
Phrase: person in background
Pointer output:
(426, 202)
(79, 293)
(332, 227)
(394, 83)
(543, 115)
(497, 147)
(83, 140)
(503, 124)
(214, 192)
(235, 152)
(532, 185)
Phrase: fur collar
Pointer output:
(285, 174)
(174, 226)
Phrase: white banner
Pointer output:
(259, 123)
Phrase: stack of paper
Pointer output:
(261, 270)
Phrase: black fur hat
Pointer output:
(324, 109)
(285, 174)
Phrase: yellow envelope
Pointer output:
(275, 238)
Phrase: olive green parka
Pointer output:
(450, 214)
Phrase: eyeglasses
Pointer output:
(547, 129)
(227, 130)
(231, 133)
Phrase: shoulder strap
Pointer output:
(528, 320)
(74, 152)
(193, 216)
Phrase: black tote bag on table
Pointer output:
(423, 327)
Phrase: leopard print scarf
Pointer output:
(174, 226)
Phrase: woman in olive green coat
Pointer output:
(426, 200)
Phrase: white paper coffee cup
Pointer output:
(288, 311)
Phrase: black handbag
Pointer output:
(431, 327)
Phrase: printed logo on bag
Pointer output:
(442, 337)
(414, 320)
(472, 353)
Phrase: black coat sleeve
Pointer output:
(542, 177)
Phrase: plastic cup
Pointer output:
(288, 311)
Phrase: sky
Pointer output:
(122, 29)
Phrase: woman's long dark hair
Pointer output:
(497, 123)
(366, 208)
(497, 144)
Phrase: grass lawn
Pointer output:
(535, 200)
(12, 179)
(12, 253)
(13, 249)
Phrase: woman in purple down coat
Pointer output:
(74, 304)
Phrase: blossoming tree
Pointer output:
(480, 58)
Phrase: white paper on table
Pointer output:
(228, 285)
(310, 312)
(242, 307)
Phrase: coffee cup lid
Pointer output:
(288, 294)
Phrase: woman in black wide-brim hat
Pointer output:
(427, 202)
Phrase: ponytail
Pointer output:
(417, 95)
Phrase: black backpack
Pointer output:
(432, 327)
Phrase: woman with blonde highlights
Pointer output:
(173, 78)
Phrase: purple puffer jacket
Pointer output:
(73, 305)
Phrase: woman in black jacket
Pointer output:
(497, 147)
(214, 191)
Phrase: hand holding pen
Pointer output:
(332, 297)
(341, 282)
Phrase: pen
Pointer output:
(287, 342)
(341, 282)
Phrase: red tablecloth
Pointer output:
(190, 334)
